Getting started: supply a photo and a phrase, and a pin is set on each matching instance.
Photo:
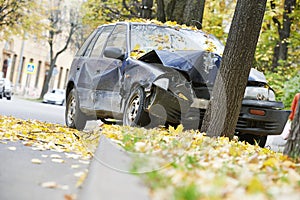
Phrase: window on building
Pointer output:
(38, 69)
(13, 66)
(66, 78)
(21, 71)
(59, 77)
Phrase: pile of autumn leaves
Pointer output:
(175, 164)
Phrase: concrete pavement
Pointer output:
(109, 176)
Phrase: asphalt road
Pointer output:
(20, 178)
(26, 109)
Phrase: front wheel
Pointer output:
(134, 114)
(73, 116)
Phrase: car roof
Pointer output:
(150, 23)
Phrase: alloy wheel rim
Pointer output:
(133, 109)
(71, 111)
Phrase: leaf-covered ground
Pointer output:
(175, 164)
(45, 136)
(190, 165)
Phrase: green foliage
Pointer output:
(217, 18)
(189, 192)
(98, 12)
(285, 81)
(269, 36)
(291, 88)
(16, 18)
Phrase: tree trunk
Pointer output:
(146, 9)
(193, 13)
(223, 111)
(175, 10)
(292, 147)
(48, 78)
(161, 16)
(284, 29)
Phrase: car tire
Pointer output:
(254, 139)
(8, 98)
(134, 114)
(73, 116)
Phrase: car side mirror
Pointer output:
(113, 52)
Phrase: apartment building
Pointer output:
(26, 63)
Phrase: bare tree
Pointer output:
(58, 21)
(224, 108)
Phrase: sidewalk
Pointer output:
(109, 176)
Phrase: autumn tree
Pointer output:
(188, 12)
(224, 108)
(63, 22)
(284, 29)
(98, 12)
(17, 18)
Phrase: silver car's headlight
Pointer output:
(259, 93)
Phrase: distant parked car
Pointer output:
(146, 74)
(55, 96)
(6, 88)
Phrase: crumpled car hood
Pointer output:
(200, 66)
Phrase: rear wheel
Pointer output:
(73, 116)
(254, 139)
(134, 114)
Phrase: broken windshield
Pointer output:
(148, 37)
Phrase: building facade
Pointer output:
(26, 63)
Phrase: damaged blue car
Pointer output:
(144, 74)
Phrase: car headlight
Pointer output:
(162, 83)
(259, 93)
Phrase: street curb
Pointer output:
(109, 176)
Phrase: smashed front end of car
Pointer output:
(182, 95)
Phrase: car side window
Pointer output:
(92, 43)
(83, 48)
(98, 47)
(118, 38)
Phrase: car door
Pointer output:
(107, 81)
(91, 67)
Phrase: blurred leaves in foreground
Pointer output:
(208, 168)
(193, 166)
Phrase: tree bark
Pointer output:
(292, 147)
(161, 16)
(223, 111)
